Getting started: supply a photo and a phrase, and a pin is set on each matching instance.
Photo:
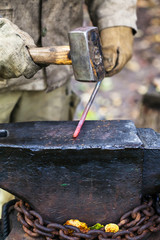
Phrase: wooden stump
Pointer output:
(149, 116)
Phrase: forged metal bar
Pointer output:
(84, 115)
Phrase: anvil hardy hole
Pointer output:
(4, 133)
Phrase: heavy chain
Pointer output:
(134, 225)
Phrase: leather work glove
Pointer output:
(117, 46)
(15, 59)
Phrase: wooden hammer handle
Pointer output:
(51, 55)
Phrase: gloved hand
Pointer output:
(117, 46)
(15, 59)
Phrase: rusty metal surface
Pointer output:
(139, 223)
(17, 232)
(93, 178)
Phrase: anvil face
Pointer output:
(94, 178)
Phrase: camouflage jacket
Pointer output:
(49, 21)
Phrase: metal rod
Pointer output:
(83, 117)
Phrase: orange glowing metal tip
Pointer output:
(83, 117)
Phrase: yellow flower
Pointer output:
(76, 223)
(112, 227)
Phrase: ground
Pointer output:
(120, 96)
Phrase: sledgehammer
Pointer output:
(85, 55)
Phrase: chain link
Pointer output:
(134, 225)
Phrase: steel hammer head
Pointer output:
(86, 54)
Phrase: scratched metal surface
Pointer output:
(93, 178)
(94, 134)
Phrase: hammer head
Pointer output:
(86, 54)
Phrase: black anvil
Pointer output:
(95, 178)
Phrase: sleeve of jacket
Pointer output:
(110, 13)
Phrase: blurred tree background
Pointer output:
(135, 92)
